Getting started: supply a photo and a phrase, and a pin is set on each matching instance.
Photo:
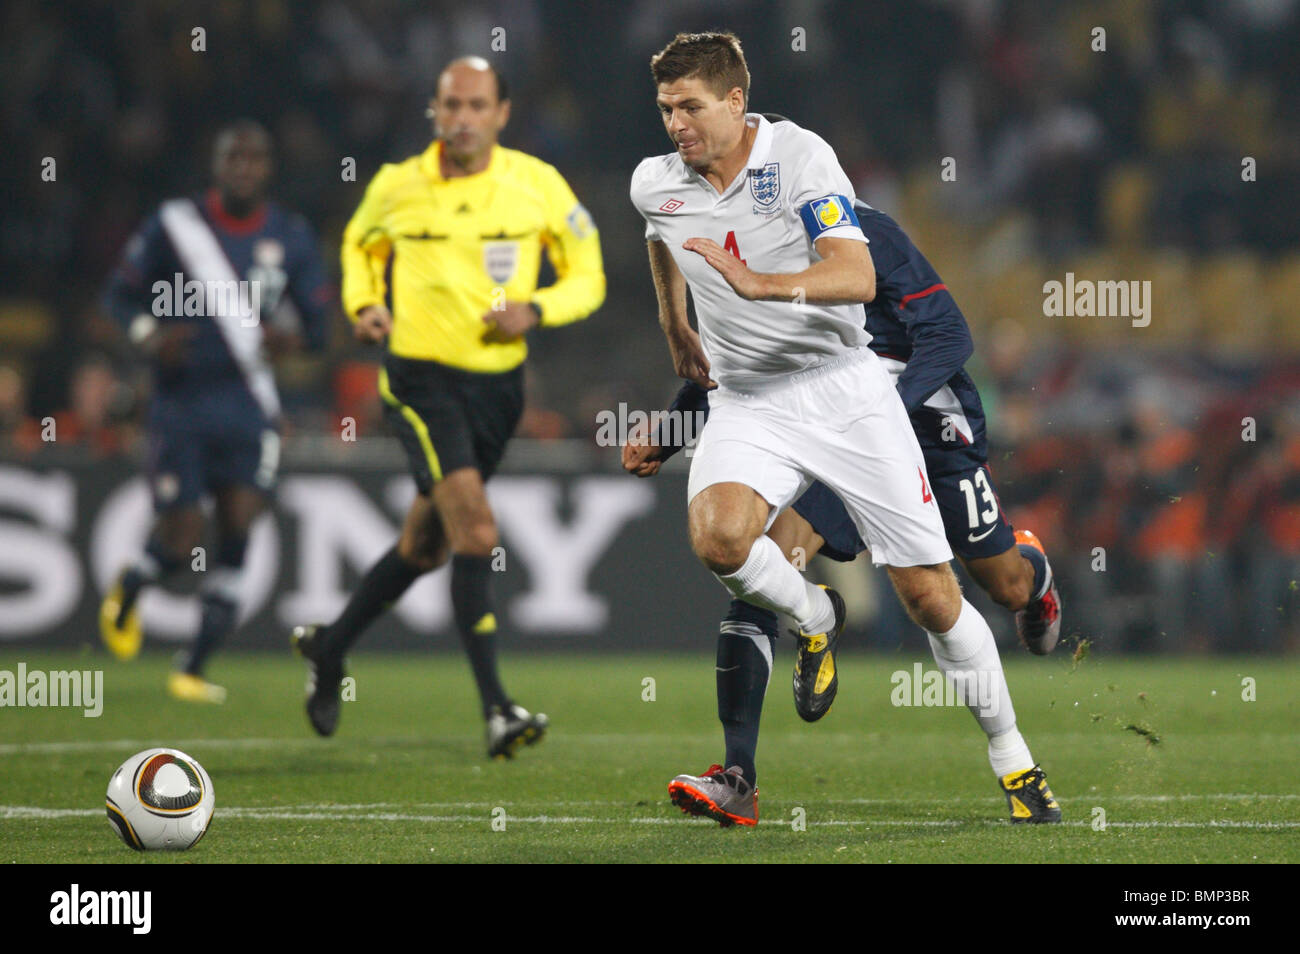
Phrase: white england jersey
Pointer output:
(791, 193)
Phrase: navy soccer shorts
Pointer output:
(194, 451)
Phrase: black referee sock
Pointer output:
(381, 587)
(743, 673)
(471, 604)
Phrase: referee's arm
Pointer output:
(365, 252)
(573, 246)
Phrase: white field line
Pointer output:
(112, 744)
(1076, 799)
(308, 813)
(95, 745)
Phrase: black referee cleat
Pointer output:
(324, 677)
(1030, 800)
(815, 678)
(510, 727)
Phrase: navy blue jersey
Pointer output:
(273, 247)
(913, 317)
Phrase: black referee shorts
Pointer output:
(447, 418)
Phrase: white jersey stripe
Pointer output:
(203, 260)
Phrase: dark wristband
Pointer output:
(691, 399)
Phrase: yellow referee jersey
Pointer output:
(457, 246)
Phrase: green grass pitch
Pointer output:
(406, 778)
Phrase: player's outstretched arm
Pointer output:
(689, 360)
(844, 276)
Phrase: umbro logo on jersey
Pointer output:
(672, 205)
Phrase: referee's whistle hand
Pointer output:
(373, 324)
(510, 322)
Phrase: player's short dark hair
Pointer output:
(714, 58)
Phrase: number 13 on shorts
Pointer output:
(979, 491)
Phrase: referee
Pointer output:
(441, 259)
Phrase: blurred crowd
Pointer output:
(1170, 489)
(1013, 140)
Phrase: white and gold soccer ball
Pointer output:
(160, 800)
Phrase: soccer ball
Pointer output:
(160, 799)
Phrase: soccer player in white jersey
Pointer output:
(757, 219)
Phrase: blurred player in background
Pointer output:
(208, 291)
(757, 219)
(462, 227)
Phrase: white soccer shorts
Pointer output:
(842, 424)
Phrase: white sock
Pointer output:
(767, 580)
(1008, 753)
(968, 655)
